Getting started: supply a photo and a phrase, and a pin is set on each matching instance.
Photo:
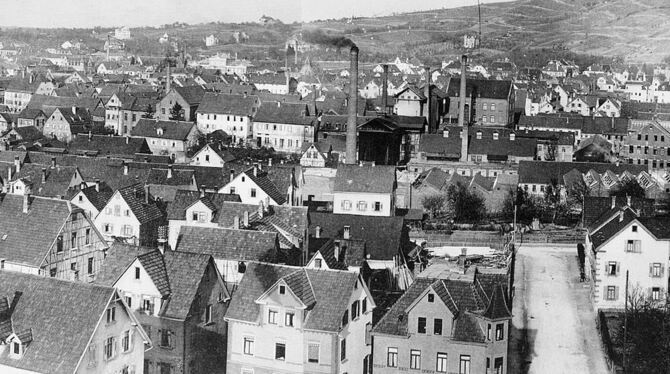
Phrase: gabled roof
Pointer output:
(98, 195)
(153, 128)
(171, 177)
(56, 183)
(229, 244)
(56, 314)
(184, 199)
(117, 260)
(134, 196)
(191, 94)
(185, 272)
(107, 145)
(365, 178)
(153, 264)
(290, 114)
(617, 221)
(262, 180)
(542, 172)
(484, 88)
(215, 103)
(330, 290)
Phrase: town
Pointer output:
(173, 204)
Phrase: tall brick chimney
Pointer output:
(385, 88)
(426, 92)
(461, 112)
(353, 107)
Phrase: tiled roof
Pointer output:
(98, 196)
(231, 244)
(134, 196)
(183, 199)
(659, 226)
(329, 289)
(615, 224)
(25, 238)
(57, 314)
(240, 105)
(117, 260)
(108, 145)
(595, 207)
(365, 178)
(56, 183)
(171, 177)
(487, 88)
(498, 307)
(290, 114)
(437, 144)
(185, 271)
(384, 237)
(31, 113)
(299, 283)
(153, 128)
(153, 264)
(263, 182)
(191, 94)
(542, 172)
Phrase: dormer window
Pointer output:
(495, 136)
(16, 348)
(431, 297)
(479, 134)
(159, 131)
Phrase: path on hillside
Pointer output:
(554, 330)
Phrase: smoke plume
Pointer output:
(320, 37)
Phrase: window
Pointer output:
(484, 106)
(493, 119)
(354, 309)
(282, 290)
(272, 317)
(87, 239)
(392, 357)
(317, 263)
(288, 319)
(633, 246)
(232, 190)
(364, 305)
(362, 206)
(464, 365)
(253, 192)
(634, 228)
(421, 325)
(441, 363)
(346, 205)
(431, 297)
(437, 326)
(148, 306)
(378, 206)
(656, 270)
(500, 331)
(611, 293)
(248, 346)
(127, 230)
(313, 352)
(488, 332)
(137, 272)
(493, 106)
(498, 365)
(109, 348)
(59, 244)
(611, 268)
(655, 293)
(129, 301)
(111, 314)
(126, 212)
(166, 337)
(125, 341)
(208, 313)
(90, 265)
(108, 228)
(280, 351)
(343, 349)
(415, 359)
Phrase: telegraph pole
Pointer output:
(625, 325)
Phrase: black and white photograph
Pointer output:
(357, 187)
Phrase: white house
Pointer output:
(367, 190)
(254, 187)
(231, 113)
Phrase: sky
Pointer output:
(134, 13)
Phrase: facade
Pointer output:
(365, 190)
(64, 123)
(188, 97)
(122, 33)
(410, 102)
(648, 145)
(49, 237)
(276, 325)
(446, 326)
(102, 334)
(231, 113)
(315, 155)
(168, 138)
(488, 102)
(284, 127)
(123, 111)
(255, 188)
(211, 155)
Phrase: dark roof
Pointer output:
(542, 172)
(437, 144)
(185, 272)
(171, 177)
(588, 125)
(216, 103)
(153, 128)
(56, 183)
(382, 237)
(134, 196)
(191, 94)
(118, 258)
(262, 180)
(324, 290)
(184, 199)
(31, 113)
(98, 195)
(615, 224)
(485, 88)
(365, 178)
(595, 207)
(53, 314)
(497, 308)
(230, 244)
(99, 145)
(659, 226)
(290, 114)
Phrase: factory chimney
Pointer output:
(461, 112)
(385, 87)
(168, 82)
(426, 92)
(353, 107)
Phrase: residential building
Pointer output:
(365, 190)
(255, 187)
(456, 325)
(188, 97)
(315, 154)
(64, 123)
(168, 138)
(489, 102)
(180, 300)
(123, 110)
(287, 319)
(92, 199)
(56, 326)
(122, 33)
(32, 117)
(274, 83)
(43, 180)
(211, 41)
(131, 215)
(648, 145)
(283, 127)
(212, 155)
(49, 237)
(231, 113)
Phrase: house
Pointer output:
(169, 138)
(123, 147)
(365, 190)
(92, 199)
(284, 127)
(64, 123)
(488, 101)
(254, 187)
(55, 326)
(124, 110)
(647, 145)
(231, 113)
(43, 180)
(292, 319)
(625, 247)
(32, 117)
(211, 41)
(233, 250)
(410, 102)
(49, 237)
(610, 108)
(188, 97)
(24, 136)
(274, 83)
(122, 33)
(212, 155)
(20, 90)
(315, 154)
(180, 300)
(131, 215)
(455, 325)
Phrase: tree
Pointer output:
(553, 203)
(464, 204)
(630, 188)
(148, 112)
(176, 112)
(433, 204)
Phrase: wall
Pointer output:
(283, 137)
(239, 127)
(58, 127)
(386, 200)
(207, 157)
(408, 104)
(355, 333)
(242, 185)
(108, 216)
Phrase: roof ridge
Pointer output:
(449, 294)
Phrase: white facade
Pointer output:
(117, 220)
(250, 192)
(206, 156)
(138, 290)
(287, 138)
(408, 104)
(239, 127)
(364, 204)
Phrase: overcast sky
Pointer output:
(89, 13)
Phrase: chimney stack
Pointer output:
(255, 170)
(352, 107)
(346, 233)
(169, 172)
(245, 218)
(314, 100)
(125, 168)
(236, 222)
(168, 82)
(317, 232)
(9, 173)
(385, 88)
(232, 175)
(261, 209)
(17, 163)
(146, 194)
(461, 112)
(26, 202)
(44, 175)
(426, 92)
(90, 135)
(53, 162)
(97, 185)
(202, 190)
(613, 202)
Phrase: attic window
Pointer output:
(159, 131)
(479, 134)
(282, 290)
(495, 136)
(634, 228)
(431, 297)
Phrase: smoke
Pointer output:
(318, 36)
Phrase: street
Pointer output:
(553, 329)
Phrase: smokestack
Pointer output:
(353, 107)
(314, 99)
(232, 175)
(169, 79)
(461, 112)
(97, 185)
(146, 194)
(26, 202)
(53, 162)
(385, 88)
(426, 92)
(246, 218)
(17, 163)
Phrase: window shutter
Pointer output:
(171, 339)
(115, 348)
(618, 268)
(616, 293)
(662, 270)
(651, 270)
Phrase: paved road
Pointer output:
(554, 330)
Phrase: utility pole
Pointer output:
(479, 11)
(514, 227)
(625, 325)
